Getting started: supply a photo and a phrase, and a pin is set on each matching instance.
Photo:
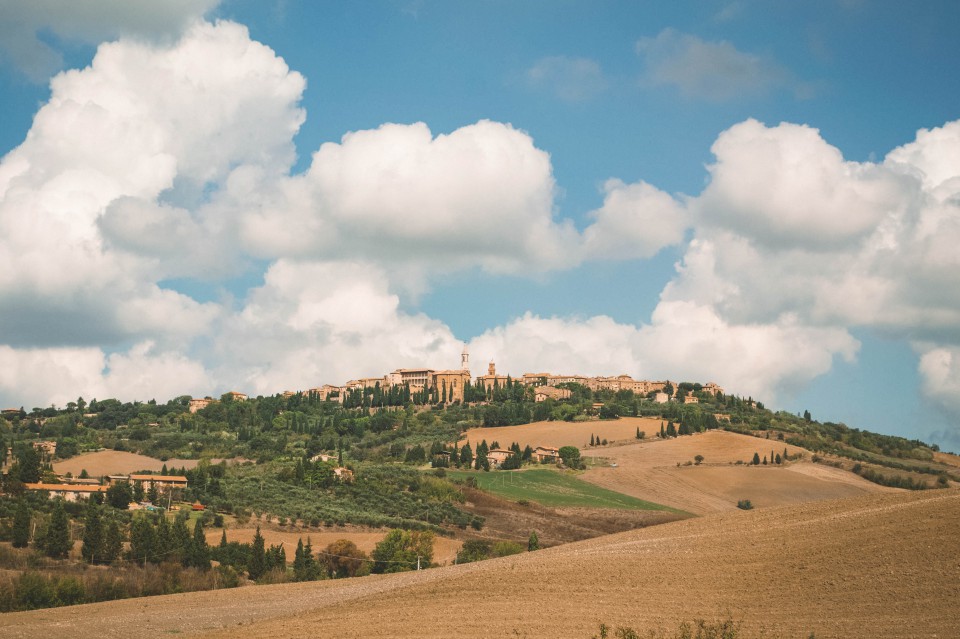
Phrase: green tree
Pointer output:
(473, 550)
(181, 545)
(299, 563)
(466, 455)
(56, 542)
(344, 559)
(258, 557)
(756, 459)
(403, 550)
(93, 536)
(199, 555)
(570, 456)
(112, 542)
(533, 543)
(119, 495)
(143, 540)
(698, 459)
(28, 464)
(21, 525)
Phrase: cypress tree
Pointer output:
(591, 439)
(312, 566)
(258, 557)
(199, 552)
(143, 540)
(21, 525)
(756, 459)
(93, 536)
(299, 564)
(533, 543)
(56, 543)
(112, 542)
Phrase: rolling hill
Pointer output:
(874, 565)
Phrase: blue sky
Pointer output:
(762, 194)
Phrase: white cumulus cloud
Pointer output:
(635, 221)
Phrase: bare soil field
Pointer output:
(444, 548)
(510, 520)
(947, 458)
(559, 434)
(648, 470)
(112, 462)
(836, 568)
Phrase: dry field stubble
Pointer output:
(444, 548)
(113, 462)
(648, 470)
(881, 565)
(559, 434)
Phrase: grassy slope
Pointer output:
(555, 488)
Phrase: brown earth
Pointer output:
(878, 565)
(113, 462)
(648, 470)
(510, 520)
(444, 548)
(559, 434)
(947, 458)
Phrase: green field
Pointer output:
(554, 488)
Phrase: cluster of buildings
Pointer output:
(454, 381)
(72, 488)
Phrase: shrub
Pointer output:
(744, 504)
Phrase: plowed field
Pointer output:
(113, 462)
(881, 565)
(444, 548)
(648, 470)
(559, 434)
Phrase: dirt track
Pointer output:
(881, 565)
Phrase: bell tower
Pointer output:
(465, 359)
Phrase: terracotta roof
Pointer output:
(77, 488)
(179, 478)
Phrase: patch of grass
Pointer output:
(555, 488)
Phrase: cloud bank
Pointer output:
(147, 167)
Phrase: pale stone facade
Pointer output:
(491, 379)
(543, 393)
(452, 381)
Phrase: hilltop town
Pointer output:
(455, 385)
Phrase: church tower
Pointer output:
(465, 359)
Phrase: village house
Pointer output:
(543, 393)
(235, 396)
(661, 398)
(199, 404)
(344, 475)
(712, 389)
(160, 481)
(326, 392)
(545, 454)
(48, 449)
(69, 492)
(497, 456)
(691, 399)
